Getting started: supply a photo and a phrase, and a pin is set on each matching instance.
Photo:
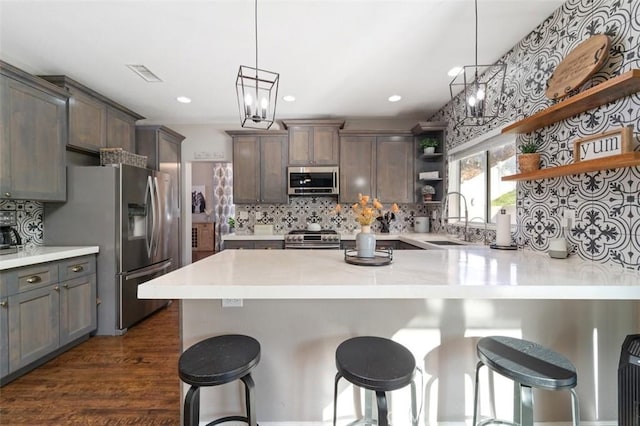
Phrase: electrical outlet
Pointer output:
(232, 303)
(569, 218)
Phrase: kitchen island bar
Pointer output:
(300, 304)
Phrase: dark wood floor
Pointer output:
(125, 380)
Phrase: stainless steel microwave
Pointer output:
(313, 180)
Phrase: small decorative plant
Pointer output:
(529, 160)
(429, 143)
(232, 222)
(529, 147)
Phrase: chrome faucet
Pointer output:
(466, 212)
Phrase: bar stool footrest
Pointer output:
(229, 419)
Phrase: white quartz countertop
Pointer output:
(41, 254)
(467, 272)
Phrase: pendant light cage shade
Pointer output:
(477, 94)
(257, 92)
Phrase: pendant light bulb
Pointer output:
(480, 94)
(472, 101)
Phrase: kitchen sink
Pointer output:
(444, 243)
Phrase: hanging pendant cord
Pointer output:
(476, 15)
(256, 28)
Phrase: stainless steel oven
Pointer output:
(303, 239)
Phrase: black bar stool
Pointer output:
(216, 361)
(377, 364)
(529, 365)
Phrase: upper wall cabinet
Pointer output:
(96, 121)
(259, 167)
(33, 133)
(377, 163)
(313, 142)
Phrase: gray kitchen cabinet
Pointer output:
(357, 167)
(78, 315)
(49, 308)
(33, 133)
(313, 142)
(259, 167)
(162, 146)
(254, 244)
(33, 325)
(377, 164)
(394, 169)
(96, 121)
(4, 328)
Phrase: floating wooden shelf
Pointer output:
(615, 88)
(432, 179)
(629, 159)
(434, 155)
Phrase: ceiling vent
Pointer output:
(145, 73)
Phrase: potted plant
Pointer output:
(429, 145)
(529, 159)
(428, 192)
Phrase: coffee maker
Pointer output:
(9, 237)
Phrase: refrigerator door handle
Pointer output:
(149, 235)
(147, 271)
(152, 195)
(158, 217)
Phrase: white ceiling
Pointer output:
(339, 58)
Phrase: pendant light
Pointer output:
(481, 87)
(257, 92)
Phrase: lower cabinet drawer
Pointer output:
(77, 267)
(32, 277)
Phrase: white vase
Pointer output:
(366, 242)
(430, 150)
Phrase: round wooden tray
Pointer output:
(381, 257)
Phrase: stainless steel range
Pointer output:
(305, 239)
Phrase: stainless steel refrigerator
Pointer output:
(128, 212)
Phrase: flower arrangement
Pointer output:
(367, 211)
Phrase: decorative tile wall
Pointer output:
(30, 220)
(606, 203)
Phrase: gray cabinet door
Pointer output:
(33, 132)
(4, 336)
(246, 170)
(33, 325)
(300, 146)
(87, 121)
(77, 308)
(394, 169)
(325, 146)
(357, 167)
(273, 179)
(121, 130)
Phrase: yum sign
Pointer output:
(613, 142)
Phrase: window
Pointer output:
(475, 171)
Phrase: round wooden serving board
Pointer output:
(580, 64)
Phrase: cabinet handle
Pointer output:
(77, 268)
(57, 288)
(7, 194)
(65, 286)
(3, 304)
(33, 279)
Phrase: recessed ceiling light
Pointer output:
(183, 100)
(454, 71)
(394, 98)
(289, 98)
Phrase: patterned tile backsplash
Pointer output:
(606, 203)
(30, 220)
